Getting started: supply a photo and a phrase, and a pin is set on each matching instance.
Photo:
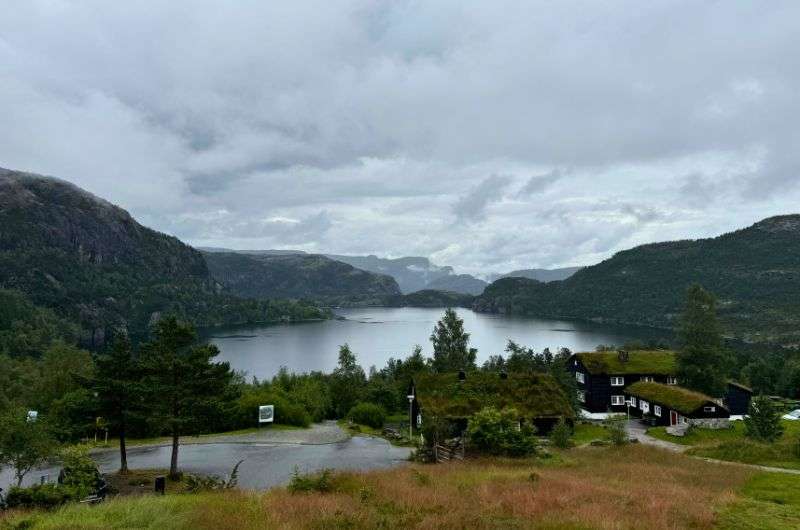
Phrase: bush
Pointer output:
(561, 435)
(368, 414)
(44, 496)
(616, 429)
(763, 421)
(321, 482)
(286, 412)
(499, 433)
(291, 414)
(80, 472)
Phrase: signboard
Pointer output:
(266, 413)
(33, 415)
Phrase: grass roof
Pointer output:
(675, 397)
(534, 395)
(639, 362)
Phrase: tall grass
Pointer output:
(619, 488)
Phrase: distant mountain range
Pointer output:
(542, 275)
(754, 272)
(92, 263)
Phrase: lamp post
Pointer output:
(410, 416)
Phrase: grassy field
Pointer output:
(592, 487)
(733, 445)
(588, 432)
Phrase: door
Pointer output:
(673, 417)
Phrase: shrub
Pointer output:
(616, 429)
(40, 496)
(291, 414)
(199, 483)
(561, 435)
(321, 482)
(763, 421)
(498, 432)
(80, 472)
(368, 414)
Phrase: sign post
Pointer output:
(266, 414)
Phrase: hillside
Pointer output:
(430, 298)
(92, 263)
(298, 276)
(542, 275)
(755, 273)
(458, 283)
(412, 273)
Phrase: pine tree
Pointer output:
(451, 351)
(702, 360)
(181, 383)
(763, 421)
(116, 384)
(347, 382)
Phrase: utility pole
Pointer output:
(410, 416)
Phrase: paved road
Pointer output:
(269, 456)
(638, 431)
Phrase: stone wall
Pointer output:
(711, 423)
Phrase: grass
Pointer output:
(770, 501)
(594, 487)
(733, 445)
(639, 362)
(588, 432)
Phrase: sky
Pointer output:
(489, 136)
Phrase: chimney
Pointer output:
(623, 356)
(503, 374)
(462, 375)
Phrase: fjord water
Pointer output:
(376, 334)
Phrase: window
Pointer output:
(645, 406)
(581, 396)
(648, 378)
(580, 377)
(617, 381)
(633, 401)
(709, 409)
(672, 380)
(617, 400)
(657, 410)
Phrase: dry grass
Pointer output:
(607, 488)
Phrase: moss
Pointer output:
(675, 397)
(639, 362)
(533, 395)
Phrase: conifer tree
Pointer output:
(451, 351)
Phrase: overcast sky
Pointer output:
(485, 135)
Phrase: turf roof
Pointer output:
(675, 397)
(660, 362)
(534, 395)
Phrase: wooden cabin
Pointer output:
(455, 397)
(603, 377)
(737, 398)
(671, 405)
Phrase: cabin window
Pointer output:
(656, 410)
(580, 377)
(617, 400)
(672, 380)
(648, 378)
(645, 406)
(581, 396)
(633, 401)
(617, 381)
(709, 409)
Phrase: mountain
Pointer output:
(542, 275)
(304, 276)
(431, 298)
(91, 262)
(412, 273)
(754, 272)
(458, 283)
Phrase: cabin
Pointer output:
(603, 377)
(672, 406)
(454, 397)
(737, 398)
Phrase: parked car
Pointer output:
(793, 415)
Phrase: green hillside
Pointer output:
(754, 272)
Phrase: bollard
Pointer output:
(161, 484)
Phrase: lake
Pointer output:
(376, 333)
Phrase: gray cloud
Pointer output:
(389, 116)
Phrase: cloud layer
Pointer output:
(490, 137)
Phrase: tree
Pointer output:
(763, 421)
(116, 384)
(347, 382)
(561, 435)
(181, 383)
(24, 444)
(702, 360)
(498, 432)
(451, 351)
